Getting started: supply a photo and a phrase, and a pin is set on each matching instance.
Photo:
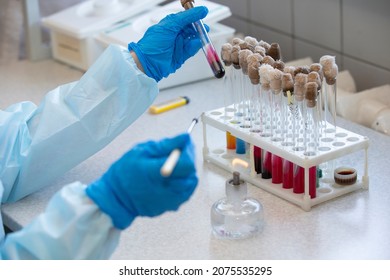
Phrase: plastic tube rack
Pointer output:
(344, 143)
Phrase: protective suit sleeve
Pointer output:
(74, 121)
(71, 227)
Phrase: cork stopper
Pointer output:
(243, 60)
(253, 74)
(289, 69)
(300, 69)
(237, 41)
(327, 61)
(275, 77)
(254, 58)
(311, 94)
(274, 51)
(305, 69)
(287, 83)
(268, 60)
(317, 67)
(252, 42)
(299, 86)
(244, 45)
(279, 65)
(253, 68)
(264, 75)
(314, 77)
(226, 52)
(187, 4)
(331, 73)
(234, 56)
(260, 50)
(329, 68)
(330, 81)
(265, 45)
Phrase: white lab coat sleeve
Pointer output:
(71, 227)
(74, 121)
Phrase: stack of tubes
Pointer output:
(279, 102)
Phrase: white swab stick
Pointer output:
(170, 163)
(174, 156)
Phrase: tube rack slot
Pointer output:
(344, 143)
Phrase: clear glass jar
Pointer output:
(236, 216)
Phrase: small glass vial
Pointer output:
(236, 216)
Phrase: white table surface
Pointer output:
(354, 226)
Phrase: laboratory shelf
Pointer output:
(331, 147)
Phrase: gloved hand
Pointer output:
(168, 44)
(133, 186)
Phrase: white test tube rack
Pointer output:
(346, 143)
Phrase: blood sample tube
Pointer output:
(299, 180)
(277, 169)
(288, 174)
(257, 159)
(266, 169)
(207, 46)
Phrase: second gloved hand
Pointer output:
(133, 186)
(168, 44)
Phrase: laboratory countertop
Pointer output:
(353, 226)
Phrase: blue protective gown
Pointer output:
(39, 144)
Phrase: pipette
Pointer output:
(207, 46)
(174, 156)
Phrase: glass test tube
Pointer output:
(259, 112)
(333, 101)
(288, 174)
(299, 180)
(266, 157)
(240, 146)
(299, 124)
(230, 141)
(229, 101)
(236, 87)
(257, 159)
(288, 114)
(266, 165)
(207, 46)
(328, 106)
(266, 96)
(288, 119)
(276, 128)
(277, 169)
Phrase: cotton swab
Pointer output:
(170, 163)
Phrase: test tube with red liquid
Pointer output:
(277, 169)
(299, 180)
(207, 46)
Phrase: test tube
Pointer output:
(299, 180)
(277, 169)
(330, 71)
(207, 46)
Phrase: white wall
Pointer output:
(356, 31)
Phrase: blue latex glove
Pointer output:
(168, 44)
(133, 186)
